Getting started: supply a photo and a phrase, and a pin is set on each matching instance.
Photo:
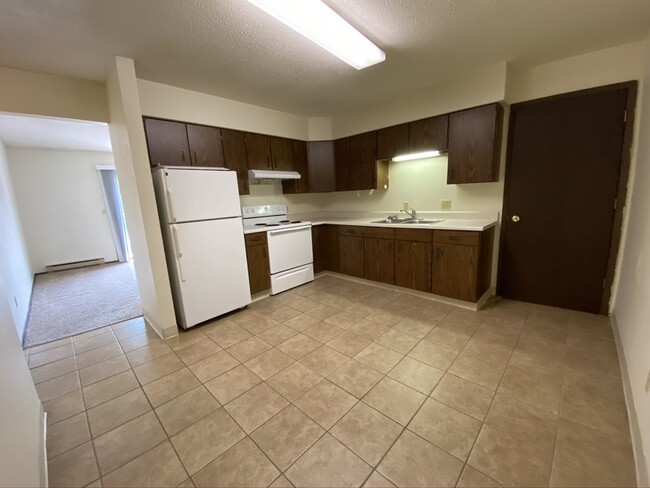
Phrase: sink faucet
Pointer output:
(411, 214)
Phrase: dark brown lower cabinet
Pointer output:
(413, 259)
(378, 252)
(351, 251)
(325, 245)
(257, 254)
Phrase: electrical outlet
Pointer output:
(445, 204)
(406, 205)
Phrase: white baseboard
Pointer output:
(44, 481)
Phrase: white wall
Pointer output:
(61, 205)
(632, 307)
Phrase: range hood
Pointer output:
(267, 174)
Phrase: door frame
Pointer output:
(621, 193)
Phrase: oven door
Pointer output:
(289, 248)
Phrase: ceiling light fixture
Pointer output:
(420, 155)
(320, 24)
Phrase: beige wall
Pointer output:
(26, 92)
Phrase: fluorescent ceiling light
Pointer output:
(420, 155)
(320, 24)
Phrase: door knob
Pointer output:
(515, 218)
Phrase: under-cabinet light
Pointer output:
(420, 155)
(320, 24)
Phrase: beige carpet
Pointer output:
(69, 302)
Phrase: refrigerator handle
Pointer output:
(170, 206)
(179, 254)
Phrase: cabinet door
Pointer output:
(475, 145)
(378, 259)
(258, 151)
(363, 161)
(320, 257)
(299, 156)
(413, 265)
(234, 153)
(342, 163)
(455, 271)
(282, 153)
(351, 255)
(206, 148)
(259, 273)
(392, 141)
(167, 143)
(320, 158)
(429, 134)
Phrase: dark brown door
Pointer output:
(342, 163)
(258, 151)
(363, 161)
(392, 141)
(379, 261)
(320, 157)
(562, 179)
(167, 142)
(351, 255)
(206, 148)
(234, 154)
(429, 134)
(281, 150)
(455, 271)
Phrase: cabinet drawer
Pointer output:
(255, 239)
(350, 230)
(459, 237)
(379, 232)
(418, 235)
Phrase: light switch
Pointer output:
(445, 204)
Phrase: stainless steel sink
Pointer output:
(406, 221)
(418, 222)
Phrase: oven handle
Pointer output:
(291, 229)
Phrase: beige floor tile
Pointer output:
(64, 406)
(269, 363)
(299, 346)
(300, 303)
(128, 441)
(433, 354)
(472, 478)
(412, 461)
(478, 369)
(83, 344)
(324, 360)
(75, 468)
(379, 357)
(464, 395)
(369, 329)
(146, 338)
(328, 464)
(170, 386)
(242, 465)
(447, 336)
(68, 433)
(606, 388)
(286, 436)
(129, 328)
(157, 368)
(50, 355)
(53, 370)
(117, 411)
(228, 336)
(50, 345)
(395, 400)
(248, 349)
(259, 324)
(607, 416)
(321, 311)
(232, 383)
(213, 366)
(535, 388)
(50, 389)
(325, 403)
(376, 480)
(107, 389)
(294, 381)
(197, 351)
(355, 378)
(323, 331)
(413, 327)
(398, 341)
(523, 421)
(181, 412)
(368, 433)
(151, 351)
(186, 338)
(278, 334)
(98, 355)
(417, 375)
(509, 460)
(255, 407)
(105, 369)
(206, 439)
(302, 322)
(446, 427)
(348, 343)
(281, 482)
(546, 330)
(345, 319)
(158, 467)
(284, 313)
(533, 354)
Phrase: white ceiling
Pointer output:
(25, 131)
(232, 49)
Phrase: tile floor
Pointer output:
(338, 383)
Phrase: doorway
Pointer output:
(566, 177)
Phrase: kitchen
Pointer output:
(422, 183)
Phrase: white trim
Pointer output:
(105, 167)
(43, 448)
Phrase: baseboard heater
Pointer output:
(76, 264)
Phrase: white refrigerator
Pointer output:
(203, 235)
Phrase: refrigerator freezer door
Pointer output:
(210, 269)
(289, 248)
(192, 194)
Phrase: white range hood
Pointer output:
(267, 174)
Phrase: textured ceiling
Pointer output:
(232, 49)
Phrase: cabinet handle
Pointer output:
(438, 252)
(196, 159)
(454, 238)
(183, 155)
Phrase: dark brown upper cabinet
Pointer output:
(234, 153)
(342, 163)
(475, 144)
(206, 148)
(167, 143)
(300, 164)
(363, 157)
(320, 158)
(392, 141)
(429, 134)
(258, 151)
(282, 154)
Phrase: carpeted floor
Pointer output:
(69, 302)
